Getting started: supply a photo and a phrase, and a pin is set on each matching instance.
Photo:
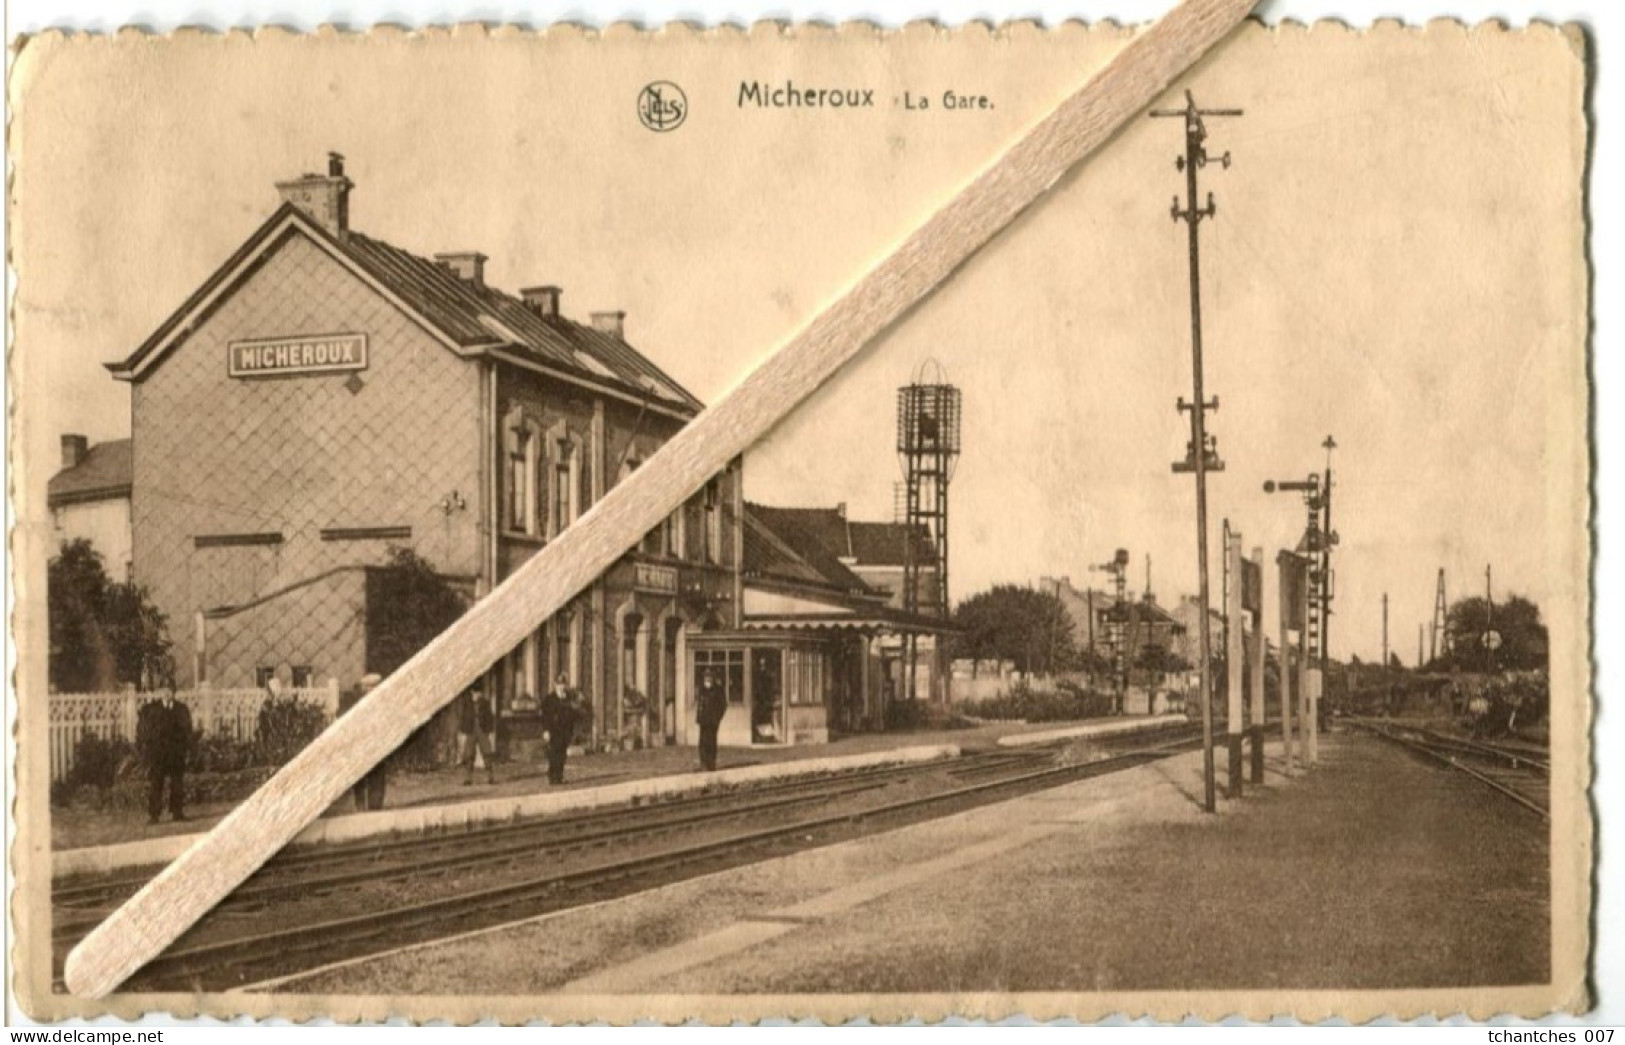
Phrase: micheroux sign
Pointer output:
(274, 357)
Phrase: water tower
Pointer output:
(928, 415)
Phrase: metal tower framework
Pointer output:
(928, 423)
(1117, 622)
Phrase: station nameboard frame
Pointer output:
(283, 356)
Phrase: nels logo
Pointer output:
(662, 106)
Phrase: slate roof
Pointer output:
(777, 546)
(863, 543)
(1142, 612)
(104, 474)
(474, 317)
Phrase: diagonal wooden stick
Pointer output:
(313, 780)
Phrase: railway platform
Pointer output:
(91, 841)
(1372, 871)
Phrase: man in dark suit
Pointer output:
(369, 790)
(476, 720)
(709, 710)
(164, 736)
(560, 708)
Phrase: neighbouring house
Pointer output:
(89, 499)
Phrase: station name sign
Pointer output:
(275, 357)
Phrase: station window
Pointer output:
(563, 664)
(713, 521)
(674, 534)
(805, 677)
(304, 676)
(519, 481)
(564, 501)
(263, 676)
(727, 666)
(631, 677)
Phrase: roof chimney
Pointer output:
(466, 265)
(324, 198)
(74, 449)
(611, 323)
(543, 300)
(840, 509)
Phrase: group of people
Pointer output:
(561, 710)
(165, 738)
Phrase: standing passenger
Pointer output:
(709, 709)
(369, 790)
(163, 734)
(559, 710)
(475, 721)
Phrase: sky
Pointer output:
(1394, 263)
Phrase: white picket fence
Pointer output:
(232, 712)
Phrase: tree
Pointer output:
(1160, 659)
(1008, 622)
(408, 604)
(1517, 620)
(102, 634)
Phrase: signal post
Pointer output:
(1252, 601)
(1233, 656)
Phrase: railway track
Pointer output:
(1517, 773)
(82, 905)
(600, 862)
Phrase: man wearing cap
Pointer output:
(369, 790)
(475, 721)
(559, 710)
(709, 710)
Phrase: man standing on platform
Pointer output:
(369, 790)
(476, 721)
(163, 734)
(709, 710)
(559, 710)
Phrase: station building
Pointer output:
(325, 397)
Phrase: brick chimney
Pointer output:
(74, 449)
(544, 301)
(325, 198)
(611, 323)
(466, 265)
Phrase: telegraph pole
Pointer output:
(1202, 454)
(1328, 538)
(1384, 631)
(1440, 620)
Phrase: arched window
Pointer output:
(522, 440)
(564, 486)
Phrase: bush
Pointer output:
(1067, 702)
(1504, 704)
(285, 727)
(220, 753)
(908, 715)
(96, 761)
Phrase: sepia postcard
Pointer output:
(1184, 610)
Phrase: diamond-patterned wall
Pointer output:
(295, 455)
(322, 626)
